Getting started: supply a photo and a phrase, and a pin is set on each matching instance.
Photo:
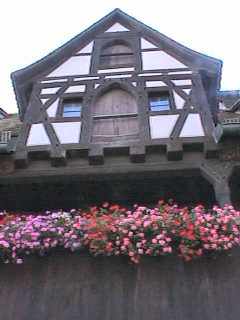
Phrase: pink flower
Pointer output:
(19, 261)
(161, 242)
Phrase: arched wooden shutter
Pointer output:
(115, 117)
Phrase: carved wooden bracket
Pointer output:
(218, 174)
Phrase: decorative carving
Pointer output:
(218, 174)
(217, 171)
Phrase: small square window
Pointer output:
(159, 101)
(72, 108)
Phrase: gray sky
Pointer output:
(31, 29)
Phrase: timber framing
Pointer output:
(24, 78)
(139, 156)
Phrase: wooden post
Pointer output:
(222, 192)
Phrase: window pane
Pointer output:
(159, 102)
(72, 109)
(71, 114)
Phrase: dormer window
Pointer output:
(72, 108)
(116, 54)
(158, 101)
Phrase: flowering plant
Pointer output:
(113, 230)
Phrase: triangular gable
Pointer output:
(160, 60)
(87, 49)
(77, 65)
(117, 27)
(44, 100)
(115, 21)
(146, 44)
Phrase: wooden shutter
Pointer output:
(115, 101)
(116, 55)
(115, 116)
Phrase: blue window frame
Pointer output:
(72, 108)
(159, 101)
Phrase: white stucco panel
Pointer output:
(152, 84)
(44, 101)
(180, 72)
(73, 66)
(116, 70)
(55, 80)
(150, 74)
(146, 44)
(192, 126)
(187, 91)
(52, 109)
(162, 126)
(37, 136)
(50, 90)
(222, 106)
(182, 82)
(86, 78)
(79, 88)
(179, 101)
(67, 132)
(159, 60)
(116, 27)
(118, 76)
(87, 49)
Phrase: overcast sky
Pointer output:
(31, 29)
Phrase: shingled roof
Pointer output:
(229, 105)
(229, 98)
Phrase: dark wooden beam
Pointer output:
(96, 155)
(174, 150)
(211, 150)
(137, 153)
(222, 193)
(21, 159)
(58, 157)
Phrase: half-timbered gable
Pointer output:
(121, 101)
(119, 81)
(120, 114)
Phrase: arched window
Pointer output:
(115, 117)
(116, 54)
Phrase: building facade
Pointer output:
(121, 113)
